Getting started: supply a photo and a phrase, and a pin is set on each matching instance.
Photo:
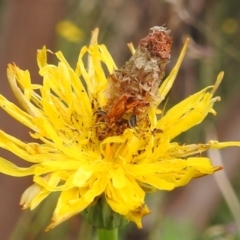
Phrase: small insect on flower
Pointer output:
(133, 88)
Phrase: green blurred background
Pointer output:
(197, 211)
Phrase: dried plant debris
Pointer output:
(133, 88)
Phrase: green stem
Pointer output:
(104, 234)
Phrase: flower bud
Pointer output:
(101, 216)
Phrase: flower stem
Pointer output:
(104, 234)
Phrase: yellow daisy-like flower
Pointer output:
(69, 30)
(78, 158)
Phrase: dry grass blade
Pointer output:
(223, 182)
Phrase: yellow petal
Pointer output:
(64, 210)
(32, 196)
(186, 114)
(17, 113)
(42, 57)
(13, 170)
(137, 215)
(168, 82)
(13, 73)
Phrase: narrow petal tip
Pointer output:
(218, 168)
(218, 82)
(94, 36)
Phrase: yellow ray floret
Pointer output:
(72, 160)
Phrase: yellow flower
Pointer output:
(69, 31)
(72, 158)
